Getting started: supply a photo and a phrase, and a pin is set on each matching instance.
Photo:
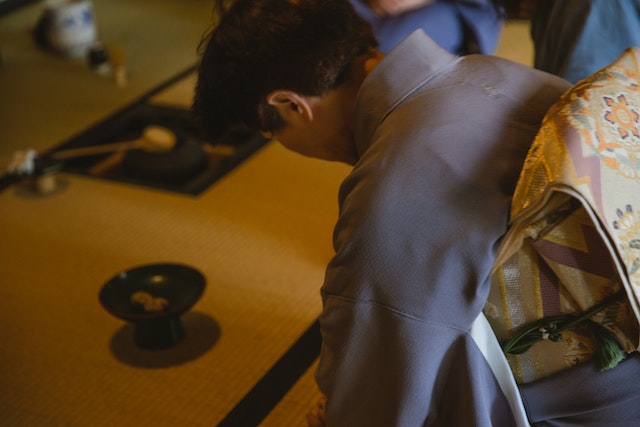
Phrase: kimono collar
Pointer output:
(409, 66)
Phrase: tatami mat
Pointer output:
(45, 99)
(262, 239)
(261, 236)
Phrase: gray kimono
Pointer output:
(441, 140)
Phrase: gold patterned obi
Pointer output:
(574, 236)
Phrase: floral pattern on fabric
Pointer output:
(574, 238)
(578, 349)
(605, 111)
(622, 116)
(628, 228)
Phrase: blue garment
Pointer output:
(459, 26)
(441, 141)
(575, 38)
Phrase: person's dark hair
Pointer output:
(258, 46)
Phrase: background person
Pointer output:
(459, 26)
(575, 38)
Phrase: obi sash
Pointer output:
(574, 234)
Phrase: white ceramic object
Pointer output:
(71, 28)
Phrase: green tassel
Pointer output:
(608, 352)
(548, 328)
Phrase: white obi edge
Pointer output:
(487, 342)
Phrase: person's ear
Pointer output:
(289, 103)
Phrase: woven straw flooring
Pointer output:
(261, 236)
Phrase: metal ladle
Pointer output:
(155, 139)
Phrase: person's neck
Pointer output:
(360, 69)
(373, 61)
(364, 64)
